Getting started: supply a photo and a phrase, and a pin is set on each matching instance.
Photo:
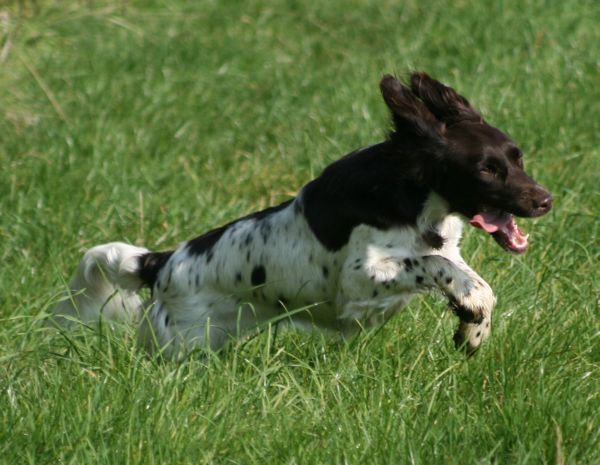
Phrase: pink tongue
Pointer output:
(491, 221)
(502, 226)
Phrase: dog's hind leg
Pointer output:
(204, 320)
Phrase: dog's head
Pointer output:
(474, 166)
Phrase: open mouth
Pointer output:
(503, 228)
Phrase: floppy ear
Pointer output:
(409, 113)
(443, 101)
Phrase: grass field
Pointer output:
(152, 121)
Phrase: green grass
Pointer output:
(153, 121)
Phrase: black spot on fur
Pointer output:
(478, 334)
(433, 239)
(265, 230)
(150, 264)
(466, 315)
(357, 267)
(375, 293)
(408, 264)
(238, 277)
(166, 319)
(325, 271)
(209, 257)
(448, 280)
(459, 341)
(258, 276)
(166, 286)
(282, 300)
(248, 257)
(206, 241)
(419, 279)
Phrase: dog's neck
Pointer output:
(435, 210)
(436, 224)
(369, 187)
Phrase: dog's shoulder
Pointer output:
(435, 231)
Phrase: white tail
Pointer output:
(105, 284)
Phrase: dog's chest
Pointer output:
(375, 245)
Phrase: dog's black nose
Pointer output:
(543, 204)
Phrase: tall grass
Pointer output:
(152, 121)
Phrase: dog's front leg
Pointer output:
(377, 283)
(471, 298)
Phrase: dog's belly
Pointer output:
(295, 294)
(211, 317)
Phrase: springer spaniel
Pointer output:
(377, 227)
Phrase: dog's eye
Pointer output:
(490, 170)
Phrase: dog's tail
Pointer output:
(105, 284)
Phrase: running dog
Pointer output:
(377, 227)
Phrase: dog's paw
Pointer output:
(472, 300)
(469, 336)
